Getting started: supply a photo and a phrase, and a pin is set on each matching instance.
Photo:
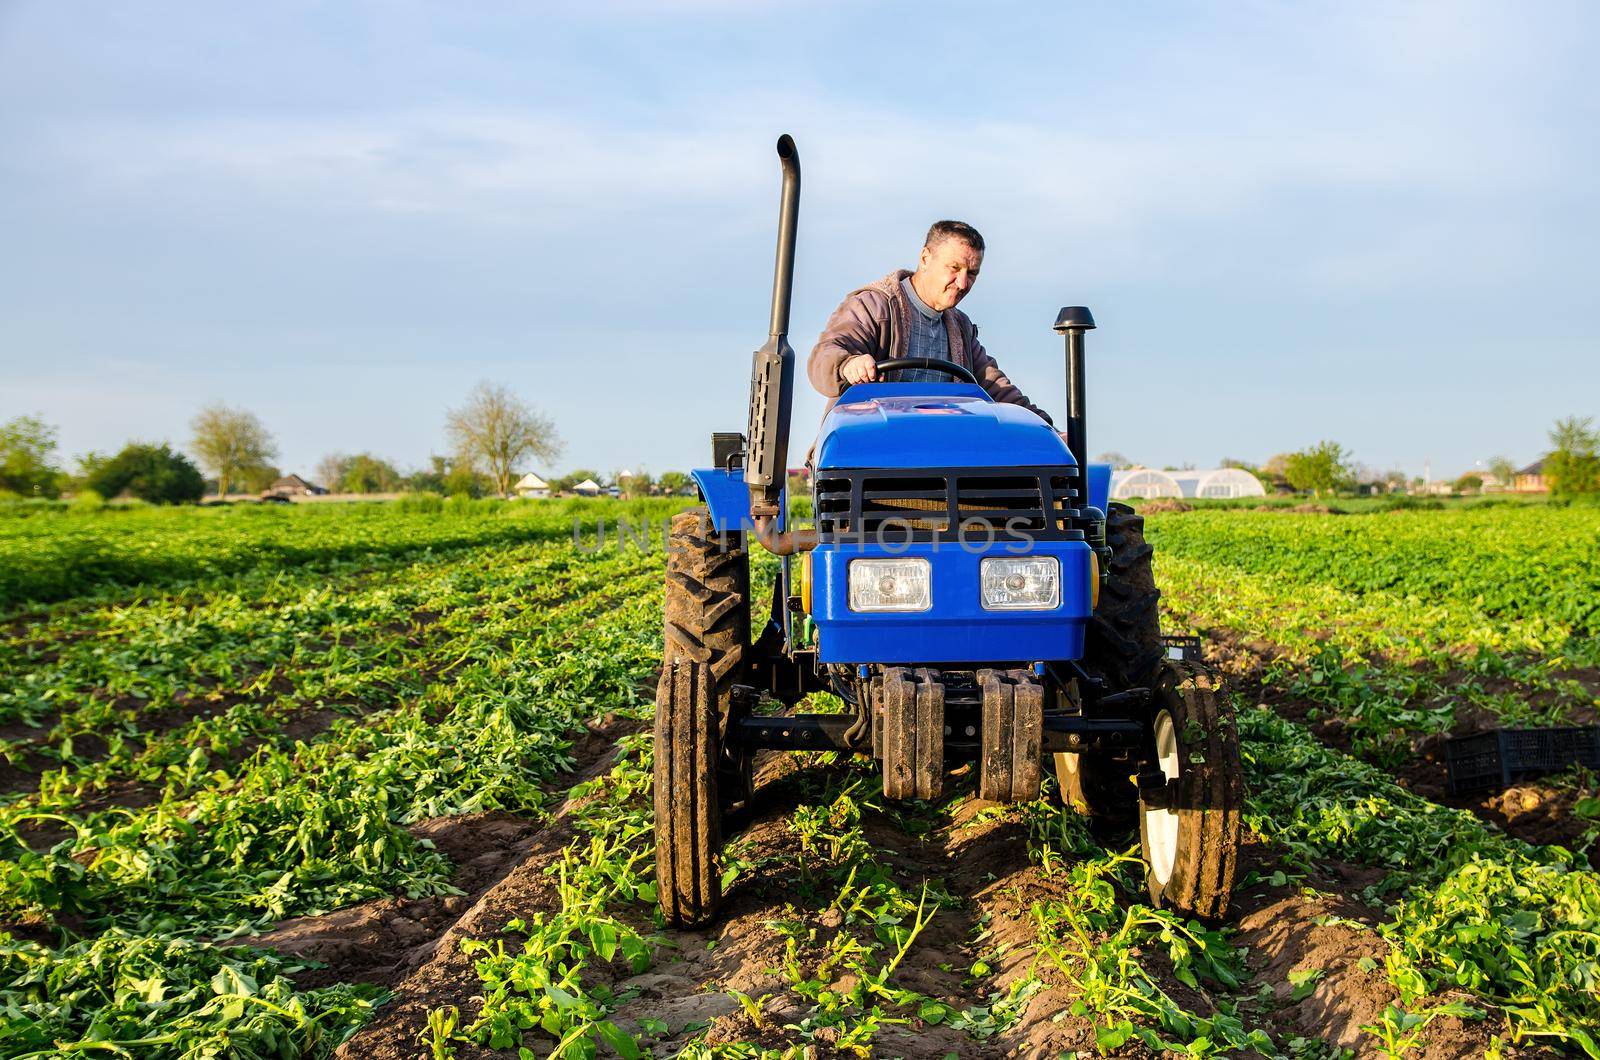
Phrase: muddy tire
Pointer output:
(1123, 647)
(707, 632)
(1191, 847)
(707, 601)
(1123, 642)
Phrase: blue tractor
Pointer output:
(970, 594)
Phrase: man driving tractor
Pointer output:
(913, 314)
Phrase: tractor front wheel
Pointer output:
(707, 636)
(1190, 834)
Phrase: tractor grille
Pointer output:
(948, 504)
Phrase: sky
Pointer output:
(1375, 223)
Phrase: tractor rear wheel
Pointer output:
(1190, 836)
(1123, 641)
(1122, 647)
(707, 632)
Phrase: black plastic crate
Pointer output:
(1184, 647)
(1498, 759)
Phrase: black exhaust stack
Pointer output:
(1073, 321)
(772, 370)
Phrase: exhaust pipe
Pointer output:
(1073, 321)
(788, 222)
(772, 381)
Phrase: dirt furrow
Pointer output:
(413, 945)
(1534, 811)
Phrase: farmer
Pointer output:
(913, 314)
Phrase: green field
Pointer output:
(221, 722)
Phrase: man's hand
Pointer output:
(862, 368)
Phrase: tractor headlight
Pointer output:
(1022, 584)
(890, 585)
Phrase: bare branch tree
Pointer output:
(330, 472)
(230, 443)
(495, 430)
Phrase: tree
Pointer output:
(232, 444)
(360, 473)
(1573, 465)
(330, 471)
(26, 445)
(1469, 483)
(447, 476)
(1321, 469)
(152, 473)
(631, 484)
(1117, 461)
(495, 430)
(572, 478)
(675, 483)
(1504, 471)
(259, 479)
(369, 474)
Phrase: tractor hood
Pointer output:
(933, 425)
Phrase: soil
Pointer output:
(381, 941)
(1534, 811)
(414, 946)
(384, 940)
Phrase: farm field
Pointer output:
(374, 781)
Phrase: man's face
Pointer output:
(946, 272)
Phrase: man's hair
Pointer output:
(943, 230)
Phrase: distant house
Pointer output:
(1531, 479)
(531, 485)
(294, 486)
(587, 488)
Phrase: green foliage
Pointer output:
(1514, 925)
(1097, 940)
(26, 446)
(233, 445)
(456, 649)
(1573, 466)
(365, 473)
(153, 473)
(46, 559)
(445, 476)
(635, 484)
(675, 483)
(539, 985)
(566, 482)
(236, 841)
(1323, 468)
(1514, 561)
(161, 997)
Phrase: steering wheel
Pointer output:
(937, 364)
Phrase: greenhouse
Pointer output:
(1143, 482)
(1148, 482)
(1220, 482)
